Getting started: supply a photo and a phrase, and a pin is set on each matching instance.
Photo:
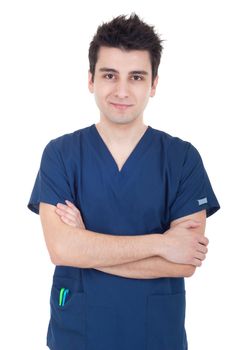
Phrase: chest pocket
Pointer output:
(67, 324)
(165, 322)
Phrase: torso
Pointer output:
(104, 310)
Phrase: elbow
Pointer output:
(58, 258)
(54, 257)
(52, 251)
(57, 255)
(55, 251)
(63, 256)
(55, 260)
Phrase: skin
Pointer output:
(144, 268)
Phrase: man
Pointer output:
(123, 208)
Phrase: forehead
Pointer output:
(122, 60)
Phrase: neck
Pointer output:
(116, 133)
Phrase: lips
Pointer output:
(120, 105)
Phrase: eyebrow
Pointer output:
(105, 69)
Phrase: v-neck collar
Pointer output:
(104, 152)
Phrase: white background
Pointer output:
(43, 91)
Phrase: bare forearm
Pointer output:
(88, 249)
(152, 267)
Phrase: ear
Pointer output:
(153, 88)
(90, 82)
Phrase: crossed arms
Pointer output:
(176, 253)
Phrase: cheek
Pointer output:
(100, 98)
(143, 95)
(101, 94)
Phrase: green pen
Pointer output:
(61, 296)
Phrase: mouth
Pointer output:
(120, 105)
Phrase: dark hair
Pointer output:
(126, 34)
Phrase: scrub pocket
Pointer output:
(165, 322)
(67, 323)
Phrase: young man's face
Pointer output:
(122, 84)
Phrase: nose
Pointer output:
(121, 89)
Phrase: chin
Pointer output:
(122, 120)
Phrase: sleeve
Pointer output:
(51, 184)
(195, 191)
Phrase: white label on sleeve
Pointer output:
(202, 201)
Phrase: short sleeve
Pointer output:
(195, 191)
(51, 184)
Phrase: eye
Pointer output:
(137, 77)
(108, 76)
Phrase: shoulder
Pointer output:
(69, 138)
(169, 142)
(177, 150)
(67, 142)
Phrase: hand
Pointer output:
(70, 214)
(183, 245)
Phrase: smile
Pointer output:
(120, 106)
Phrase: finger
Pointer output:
(200, 256)
(77, 211)
(76, 220)
(63, 206)
(203, 240)
(197, 262)
(59, 212)
(71, 205)
(202, 248)
(67, 221)
(189, 223)
(67, 209)
(69, 216)
(72, 215)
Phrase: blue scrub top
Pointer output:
(163, 179)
